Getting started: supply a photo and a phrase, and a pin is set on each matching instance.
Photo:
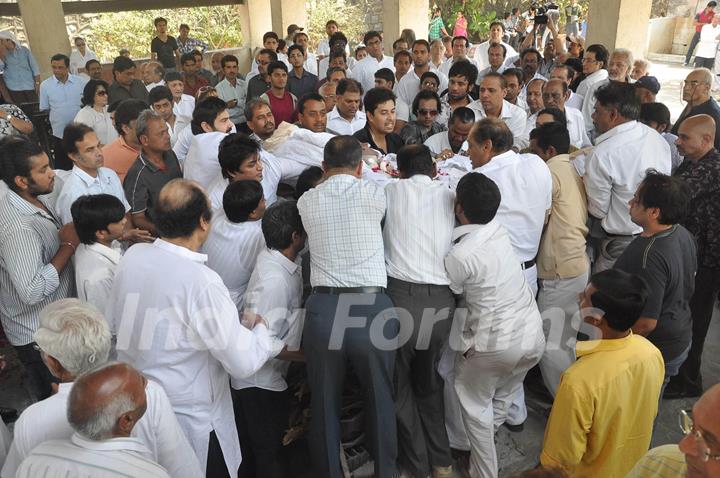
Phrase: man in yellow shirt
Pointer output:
(602, 418)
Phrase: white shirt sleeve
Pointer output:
(598, 186)
(456, 272)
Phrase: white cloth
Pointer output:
(150, 86)
(95, 270)
(275, 293)
(575, 101)
(182, 144)
(675, 156)
(188, 339)
(513, 116)
(5, 440)
(227, 92)
(439, 142)
(587, 89)
(577, 128)
(482, 73)
(402, 110)
(215, 193)
(201, 163)
(418, 225)
(409, 85)
(158, 430)
(232, 249)
(447, 64)
(78, 60)
(100, 121)
(339, 125)
(274, 171)
(364, 70)
(481, 55)
(185, 106)
(615, 168)
(342, 218)
(79, 183)
(707, 48)
(181, 122)
(311, 63)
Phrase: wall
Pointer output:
(661, 35)
(619, 24)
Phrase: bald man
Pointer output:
(104, 406)
(688, 458)
(696, 91)
(701, 170)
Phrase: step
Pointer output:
(666, 58)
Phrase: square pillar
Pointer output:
(287, 12)
(45, 30)
(619, 24)
(259, 22)
(401, 14)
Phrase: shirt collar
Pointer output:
(70, 79)
(588, 347)
(85, 177)
(112, 444)
(279, 258)
(421, 179)
(484, 230)
(560, 158)
(24, 207)
(111, 253)
(181, 251)
(498, 161)
(621, 128)
(123, 144)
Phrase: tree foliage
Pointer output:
(349, 16)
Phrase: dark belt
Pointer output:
(348, 290)
(618, 236)
(528, 264)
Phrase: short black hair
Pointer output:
(189, 56)
(159, 20)
(533, 51)
(174, 220)
(552, 134)
(421, 41)
(558, 115)
(336, 37)
(465, 69)
(241, 198)
(399, 40)
(184, 25)
(268, 35)
(337, 54)
(122, 63)
(385, 74)
(712, 3)
(621, 97)
(479, 197)
(73, 133)
(415, 159)
(206, 112)
(127, 111)
(234, 150)
(90, 62)
(657, 112)
(271, 53)
(88, 96)
(228, 59)
(430, 74)
(496, 22)
(498, 76)
(15, 154)
(401, 53)
(370, 35)
(276, 65)
(460, 37)
(173, 76)
(463, 114)
(348, 85)
(334, 69)
(297, 47)
(426, 95)
(307, 180)
(342, 152)
(308, 97)
(280, 221)
(620, 296)
(500, 45)
(496, 131)
(92, 213)
(61, 57)
(517, 73)
(160, 93)
(601, 53)
(375, 96)
(670, 194)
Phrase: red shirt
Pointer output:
(199, 83)
(703, 17)
(283, 109)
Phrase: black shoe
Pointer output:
(514, 428)
(8, 414)
(676, 390)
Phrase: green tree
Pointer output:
(349, 16)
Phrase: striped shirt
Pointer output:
(28, 282)
(342, 218)
(665, 461)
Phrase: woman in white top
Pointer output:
(94, 112)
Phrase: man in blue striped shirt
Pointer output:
(21, 72)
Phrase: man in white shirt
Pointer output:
(347, 118)
(501, 337)
(104, 406)
(160, 99)
(566, 74)
(239, 159)
(275, 292)
(364, 70)
(79, 57)
(707, 48)
(74, 339)
(153, 75)
(189, 338)
(496, 61)
(623, 151)
(210, 125)
(311, 62)
(594, 64)
(492, 104)
(448, 143)
(183, 105)
(409, 85)
(619, 68)
(323, 49)
(555, 94)
(497, 30)
(534, 102)
(459, 50)
(418, 226)
(235, 238)
(342, 217)
(232, 89)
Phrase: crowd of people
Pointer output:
(427, 228)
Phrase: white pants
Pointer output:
(486, 383)
(558, 304)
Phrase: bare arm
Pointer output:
(644, 326)
(140, 220)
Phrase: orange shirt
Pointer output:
(119, 156)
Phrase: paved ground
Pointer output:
(516, 451)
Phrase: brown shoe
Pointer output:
(442, 472)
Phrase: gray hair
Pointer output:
(100, 424)
(707, 75)
(626, 53)
(252, 105)
(74, 333)
(144, 118)
(645, 63)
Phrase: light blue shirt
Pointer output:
(62, 99)
(20, 69)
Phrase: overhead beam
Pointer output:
(106, 6)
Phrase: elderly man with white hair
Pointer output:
(618, 69)
(74, 338)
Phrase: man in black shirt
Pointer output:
(164, 48)
(664, 254)
(260, 83)
(378, 130)
(696, 91)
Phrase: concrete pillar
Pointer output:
(619, 24)
(287, 12)
(45, 30)
(401, 14)
(259, 22)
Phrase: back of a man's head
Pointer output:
(122, 63)
(342, 152)
(415, 159)
(16, 153)
(181, 205)
(127, 111)
(553, 135)
(669, 194)
(279, 223)
(479, 198)
(495, 130)
(241, 198)
(206, 112)
(620, 97)
(620, 296)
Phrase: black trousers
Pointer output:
(339, 328)
(262, 417)
(691, 49)
(39, 378)
(216, 466)
(422, 437)
(707, 286)
(708, 63)
(61, 159)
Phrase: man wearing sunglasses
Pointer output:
(426, 108)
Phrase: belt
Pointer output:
(348, 290)
(528, 264)
(617, 236)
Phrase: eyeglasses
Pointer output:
(688, 428)
(430, 84)
(588, 60)
(101, 93)
(694, 83)
(427, 112)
